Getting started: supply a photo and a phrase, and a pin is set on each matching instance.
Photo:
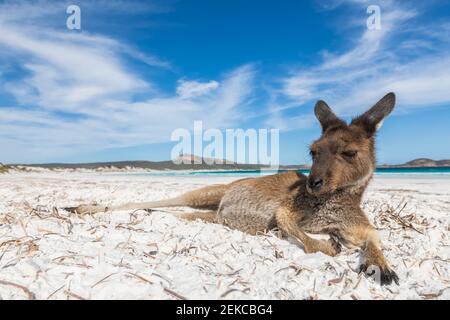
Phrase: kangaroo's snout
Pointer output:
(315, 183)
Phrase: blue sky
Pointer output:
(140, 69)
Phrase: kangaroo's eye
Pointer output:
(313, 153)
(349, 154)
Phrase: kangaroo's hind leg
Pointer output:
(206, 198)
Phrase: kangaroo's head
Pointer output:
(344, 156)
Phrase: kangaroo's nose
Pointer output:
(315, 182)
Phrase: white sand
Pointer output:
(50, 254)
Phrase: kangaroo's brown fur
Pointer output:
(328, 201)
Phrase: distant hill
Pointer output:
(145, 165)
(149, 165)
(422, 162)
(190, 165)
(189, 162)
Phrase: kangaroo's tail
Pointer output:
(207, 198)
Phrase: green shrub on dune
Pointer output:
(3, 168)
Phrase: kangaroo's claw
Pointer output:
(387, 276)
(334, 241)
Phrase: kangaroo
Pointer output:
(328, 201)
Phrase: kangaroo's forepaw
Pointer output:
(386, 275)
(86, 209)
(330, 247)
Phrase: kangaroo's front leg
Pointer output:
(366, 237)
(287, 221)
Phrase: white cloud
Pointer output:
(121, 123)
(398, 58)
(190, 89)
(42, 11)
(77, 94)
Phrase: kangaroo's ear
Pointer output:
(326, 116)
(372, 120)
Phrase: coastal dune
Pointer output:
(48, 253)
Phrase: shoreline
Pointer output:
(407, 171)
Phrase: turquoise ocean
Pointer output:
(443, 172)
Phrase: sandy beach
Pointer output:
(48, 253)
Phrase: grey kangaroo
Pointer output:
(328, 201)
